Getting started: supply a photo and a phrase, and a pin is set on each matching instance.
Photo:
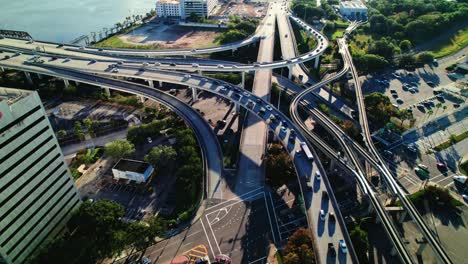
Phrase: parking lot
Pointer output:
(415, 91)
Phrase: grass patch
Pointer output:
(84, 156)
(452, 45)
(279, 257)
(116, 43)
(436, 196)
(453, 139)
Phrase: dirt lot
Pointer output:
(242, 8)
(171, 36)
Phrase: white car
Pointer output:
(157, 64)
(343, 247)
(149, 140)
(322, 215)
(195, 65)
(187, 76)
(318, 177)
(422, 166)
(269, 108)
(246, 94)
(220, 66)
(145, 64)
(115, 70)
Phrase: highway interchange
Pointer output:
(206, 229)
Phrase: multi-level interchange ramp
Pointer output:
(89, 65)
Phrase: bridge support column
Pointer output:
(393, 251)
(194, 94)
(236, 108)
(370, 209)
(150, 83)
(316, 64)
(77, 83)
(290, 68)
(243, 80)
(67, 82)
(160, 83)
(332, 164)
(39, 76)
(308, 34)
(185, 56)
(200, 72)
(402, 217)
(141, 98)
(28, 77)
(1, 69)
(107, 91)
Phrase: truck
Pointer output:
(306, 150)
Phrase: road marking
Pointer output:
(274, 213)
(238, 201)
(234, 199)
(269, 218)
(255, 261)
(194, 233)
(215, 240)
(207, 238)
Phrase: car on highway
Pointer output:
(220, 66)
(115, 70)
(188, 76)
(465, 198)
(223, 89)
(92, 61)
(66, 60)
(145, 64)
(17, 54)
(268, 107)
(331, 217)
(246, 94)
(343, 247)
(318, 177)
(60, 46)
(388, 152)
(149, 140)
(322, 215)
(6, 57)
(195, 65)
(173, 64)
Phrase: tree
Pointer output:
(193, 17)
(159, 156)
(406, 61)
(69, 90)
(298, 249)
(78, 129)
(382, 48)
(360, 242)
(405, 45)
(350, 129)
(279, 166)
(61, 133)
(119, 148)
(369, 62)
(425, 58)
(88, 124)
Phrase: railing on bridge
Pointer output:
(15, 34)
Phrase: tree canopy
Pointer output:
(119, 148)
(299, 249)
(159, 156)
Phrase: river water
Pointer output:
(65, 20)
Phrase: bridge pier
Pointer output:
(150, 83)
(317, 61)
(194, 94)
(243, 80)
(370, 209)
(185, 56)
(107, 91)
(332, 164)
(393, 251)
(77, 83)
(236, 108)
(290, 73)
(160, 83)
(141, 98)
(1, 69)
(402, 217)
(67, 82)
(28, 77)
(200, 72)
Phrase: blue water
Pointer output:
(65, 20)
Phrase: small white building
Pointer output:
(168, 8)
(133, 170)
(353, 9)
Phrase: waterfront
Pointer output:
(65, 20)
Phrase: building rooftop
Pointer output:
(353, 4)
(131, 165)
(11, 95)
(174, 2)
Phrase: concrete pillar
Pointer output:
(308, 34)
(107, 90)
(141, 98)
(67, 83)
(402, 217)
(332, 164)
(200, 72)
(28, 77)
(194, 94)
(393, 251)
(236, 108)
(317, 60)
(1, 69)
(370, 209)
(160, 83)
(150, 83)
(243, 80)
(185, 56)
(290, 68)
(39, 76)
(77, 83)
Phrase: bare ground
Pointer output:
(171, 36)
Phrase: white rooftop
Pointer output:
(353, 4)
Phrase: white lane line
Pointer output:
(194, 233)
(207, 238)
(235, 199)
(449, 184)
(276, 219)
(230, 205)
(255, 261)
(269, 219)
(215, 240)
(295, 220)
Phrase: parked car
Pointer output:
(322, 215)
(441, 165)
(343, 247)
(331, 249)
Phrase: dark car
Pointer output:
(331, 249)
